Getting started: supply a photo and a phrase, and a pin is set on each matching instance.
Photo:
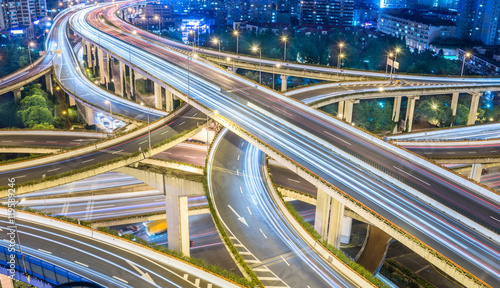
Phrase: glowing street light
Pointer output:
(255, 48)
(284, 38)
(217, 41)
(463, 64)
(237, 41)
(394, 63)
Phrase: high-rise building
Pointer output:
(327, 12)
(20, 15)
(479, 20)
(396, 4)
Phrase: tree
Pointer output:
(34, 115)
(43, 126)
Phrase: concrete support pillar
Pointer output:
(121, 91)
(454, 104)
(474, 104)
(48, 83)
(17, 94)
(475, 172)
(349, 104)
(94, 57)
(158, 98)
(89, 115)
(329, 219)
(169, 101)
(284, 82)
(340, 112)
(108, 68)
(177, 223)
(396, 109)
(72, 101)
(89, 54)
(132, 81)
(410, 111)
(335, 225)
(101, 66)
(84, 46)
(322, 213)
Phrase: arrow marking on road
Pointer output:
(242, 219)
(146, 275)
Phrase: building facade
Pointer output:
(19, 16)
(478, 20)
(327, 12)
(419, 32)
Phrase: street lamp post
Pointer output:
(260, 62)
(30, 45)
(463, 64)
(109, 102)
(237, 41)
(284, 38)
(159, 24)
(217, 41)
(194, 38)
(394, 63)
(277, 66)
(341, 45)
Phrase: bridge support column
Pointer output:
(475, 172)
(454, 104)
(102, 76)
(158, 98)
(109, 71)
(410, 111)
(330, 220)
(340, 110)
(169, 101)
(89, 54)
(474, 104)
(349, 104)
(284, 82)
(17, 94)
(89, 115)
(396, 109)
(121, 91)
(84, 46)
(48, 83)
(132, 81)
(177, 223)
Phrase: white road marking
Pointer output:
(249, 210)
(167, 153)
(146, 275)
(20, 176)
(242, 219)
(238, 158)
(80, 263)
(412, 176)
(192, 157)
(182, 123)
(117, 151)
(450, 152)
(472, 152)
(284, 260)
(195, 114)
(53, 169)
(88, 160)
(125, 281)
(494, 218)
(45, 251)
(163, 132)
(6, 141)
(293, 180)
(263, 234)
(338, 138)
(51, 141)
(241, 190)
(29, 141)
(143, 142)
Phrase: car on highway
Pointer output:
(128, 230)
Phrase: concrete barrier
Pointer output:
(431, 144)
(28, 150)
(330, 85)
(124, 244)
(54, 133)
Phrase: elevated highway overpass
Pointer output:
(198, 66)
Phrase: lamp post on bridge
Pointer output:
(463, 64)
(255, 48)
